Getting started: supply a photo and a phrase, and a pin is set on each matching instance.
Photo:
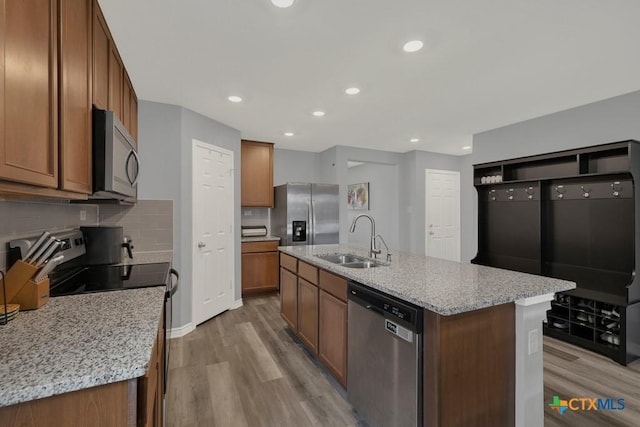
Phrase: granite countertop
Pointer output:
(444, 287)
(78, 341)
(260, 239)
(148, 257)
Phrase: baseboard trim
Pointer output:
(182, 330)
(236, 304)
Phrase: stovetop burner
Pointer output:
(101, 278)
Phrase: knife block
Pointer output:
(18, 276)
(33, 295)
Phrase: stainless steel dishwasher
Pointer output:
(384, 358)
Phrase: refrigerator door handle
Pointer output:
(313, 222)
(309, 224)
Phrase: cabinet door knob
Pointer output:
(201, 245)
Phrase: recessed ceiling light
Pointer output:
(466, 147)
(414, 140)
(288, 134)
(413, 46)
(318, 113)
(352, 91)
(282, 3)
(234, 98)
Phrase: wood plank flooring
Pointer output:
(243, 368)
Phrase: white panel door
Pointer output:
(442, 214)
(213, 255)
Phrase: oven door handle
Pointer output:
(174, 285)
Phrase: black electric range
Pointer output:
(101, 278)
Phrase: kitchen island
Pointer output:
(482, 360)
(92, 352)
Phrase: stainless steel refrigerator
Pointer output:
(305, 214)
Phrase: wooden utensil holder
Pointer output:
(22, 290)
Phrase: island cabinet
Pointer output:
(256, 174)
(314, 305)
(332, 325)
(308, 306)
(571, 215)
(259, 267)
(469, 368)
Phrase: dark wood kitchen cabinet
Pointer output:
(62, 59)
(75, 95)
(256, 174)
(112, 88)
(28, 92)
(289, 291)
(259, 267)
(575, 215)
(332, 325)
(314, 305)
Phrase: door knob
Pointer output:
(201, 245)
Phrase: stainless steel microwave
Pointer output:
(116, 165)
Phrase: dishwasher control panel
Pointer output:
(403, 313)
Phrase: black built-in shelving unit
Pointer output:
(571, 215)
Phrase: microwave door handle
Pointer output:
(126, 167)
(135, 181)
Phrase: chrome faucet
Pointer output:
(373, 250)
(385, 246)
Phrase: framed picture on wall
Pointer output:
(358, 197)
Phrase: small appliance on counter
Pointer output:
(105, 245)
(253, 231)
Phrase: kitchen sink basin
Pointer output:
(350, 260)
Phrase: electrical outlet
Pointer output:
(248, 213)
(534, 341)
(83, 215)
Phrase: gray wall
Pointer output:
(410, 204)
(294, 166)
(383, 203)
(610, 120)
(166, 133)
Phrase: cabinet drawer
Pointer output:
(335, 285)
(308, 272)
(248, 247)
(289, 262)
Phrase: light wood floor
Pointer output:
(243, 368)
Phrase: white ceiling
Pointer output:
(485, 64)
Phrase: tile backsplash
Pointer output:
(149, 222)
(25, 219)
(256, 216)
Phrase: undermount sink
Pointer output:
(350, 260)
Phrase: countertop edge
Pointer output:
(445, 311)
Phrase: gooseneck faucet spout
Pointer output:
(373, 250)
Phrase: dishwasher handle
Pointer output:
(376, 309)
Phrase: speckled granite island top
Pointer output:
(444, 287)
(78, 341)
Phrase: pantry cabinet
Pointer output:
(256, 174)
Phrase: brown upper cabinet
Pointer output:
(75, 52)
(112, 88)
(62, 59)
(257, 174)
(28, 92)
